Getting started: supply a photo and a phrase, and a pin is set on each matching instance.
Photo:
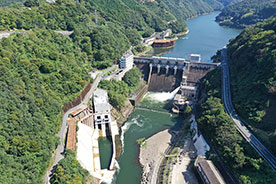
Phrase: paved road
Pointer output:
(61, 134)
(253, 141)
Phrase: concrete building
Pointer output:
(195, 58)
(102, 108)
(126, 61)
(207, 171)
(188, 91)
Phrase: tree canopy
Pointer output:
(247, 12)
(69, 171)
(40, 71)
(220, 130)
(118, 91)
(252, 57)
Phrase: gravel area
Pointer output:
(151, 154)
(183, 169)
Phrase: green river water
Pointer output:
(144, 123)
(205, 38)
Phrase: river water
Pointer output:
(205, 38)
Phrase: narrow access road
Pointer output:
(248, 136)
(59, 152)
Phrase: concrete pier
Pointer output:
(150, 71)
(103, 130)
(174, 70)
(158, 68)
(167, 69)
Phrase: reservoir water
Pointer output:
(205, 38)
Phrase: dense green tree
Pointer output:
(39, 72)
(31, 3)
(69, 171)
(132, 77)
(118, 91)
(220, 130)
(252, 64)
(247, 12)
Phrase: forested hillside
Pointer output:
(252, 57)
(220, 130)
(8, 2)
(40, 71)
(188, 8)
(220, 4)
(69, 171)
(120, 24)
(67, 14)
(247, 12)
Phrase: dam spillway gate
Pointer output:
(166, 74)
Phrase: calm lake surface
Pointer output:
(205, 38)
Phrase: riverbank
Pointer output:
(182, 33)
(148, 48)
(151, 154)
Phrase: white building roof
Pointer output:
(100, 96)
(102, 108)
(100, 99)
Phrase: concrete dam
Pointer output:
(166, 74)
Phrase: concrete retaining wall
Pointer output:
(77, 100)
(136, 99)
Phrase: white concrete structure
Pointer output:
(88, 153)
(102, 108)
(195, 58)
(199, 142)
(50, 1)
(201, 145)
(127, 60)
(188, 91)
(94, 73)
(84, 148)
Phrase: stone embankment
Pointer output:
(151, 154)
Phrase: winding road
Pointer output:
(248, 136)
(59, 152)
